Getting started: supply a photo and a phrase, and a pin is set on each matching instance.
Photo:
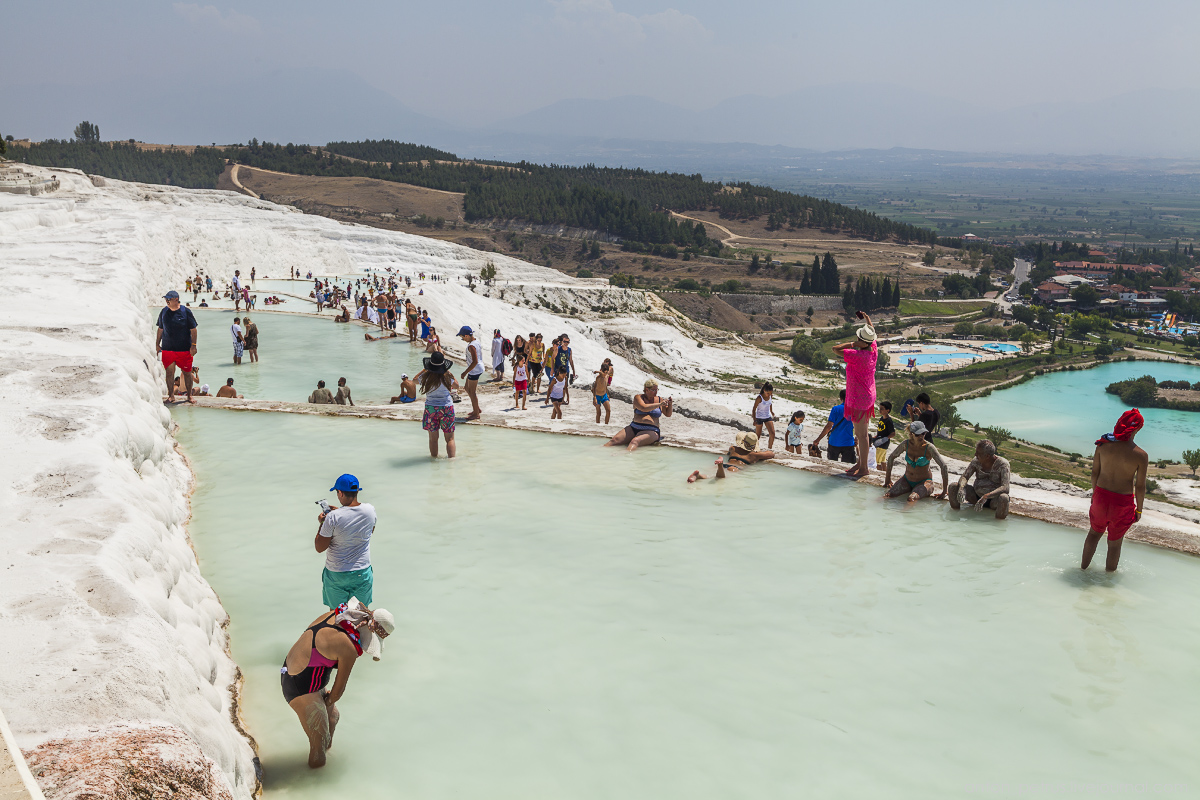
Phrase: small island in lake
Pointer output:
(1146, 392)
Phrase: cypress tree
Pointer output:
(805, 286)
(896, 295)
(829, 270)
(818, 279)
(885, 293)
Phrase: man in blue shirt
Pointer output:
(841, 433)
(175, 341)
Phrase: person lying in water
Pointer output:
(917, 481)
(390, 335)
(743, 453)
(334, 641)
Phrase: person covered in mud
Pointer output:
(334, 641)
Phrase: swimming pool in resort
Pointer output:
(576, 621)
(1001, 347)
(1070, 410)
(938, 358)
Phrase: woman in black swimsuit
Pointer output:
(648, 407)
(335, 640)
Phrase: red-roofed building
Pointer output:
(1051, 291)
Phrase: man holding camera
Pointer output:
(344, 536)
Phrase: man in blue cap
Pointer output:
(344, 536)
(175, 341)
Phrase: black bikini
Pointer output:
(315, 676)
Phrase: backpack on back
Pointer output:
(506, 347)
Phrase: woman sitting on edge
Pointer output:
(647, 408)
(334, 640)
(917, 481)
(743, 453)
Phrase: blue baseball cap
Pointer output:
(346, 483)
(465, 330)
(171, 295)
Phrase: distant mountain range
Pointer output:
(317, 106)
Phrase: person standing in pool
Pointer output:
(647, 409)
(762, 414)
(334, 640)
(474, 369)
(437, 384)
(175, 342)
(251, 339)
(600, 390)
(840, 431)
(862, 356)
(237, 290)
(917, 480)
(344, 536)
(1118, 488)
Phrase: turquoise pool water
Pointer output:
(578, 622)
(940, 358)
(1070, 410)
(1001, 347)
(296, 352)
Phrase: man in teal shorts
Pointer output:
(344, 536)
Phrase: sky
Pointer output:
(471, 62)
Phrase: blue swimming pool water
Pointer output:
(1000, 347)
(940, 358)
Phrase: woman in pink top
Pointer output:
(861, 357)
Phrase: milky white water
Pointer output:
(1070, 410)
(296, 352)
(575, 621)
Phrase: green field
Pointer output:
(936, 308)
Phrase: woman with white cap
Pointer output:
(862, 356)
(334, 641)
(743, 453)
(917, 480)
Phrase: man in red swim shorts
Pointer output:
(1118, 488)
(175, 341)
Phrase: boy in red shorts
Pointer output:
(1118, 488)
(175, 341)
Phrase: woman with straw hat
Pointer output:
(437, 384)
(862, 356)
(743, 453)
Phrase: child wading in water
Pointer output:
(558, 385)
(520, 382)
(795, 433)
(604, 377)
(861, 357)
(763, 415)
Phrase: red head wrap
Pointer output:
(1130, 423)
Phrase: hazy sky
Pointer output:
(467, 60)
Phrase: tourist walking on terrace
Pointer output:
(862, 356)
(840, 431)
(497, 356)
(558, 385)
(175, 342)
(334, 640)
(239, 340)
(520, 382)
(604, 377)
(344, 536)
(647, 409)
(762, 414)
(251, 339)
(795, 433)
(917, 481)
(437, 384)
(885, 429)
(474, 369)
(564, 360)
(929, 416)
(1118, 488)
(537, 356)
(990, 490)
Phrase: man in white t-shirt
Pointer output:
(497, 356)
(239, 339)
(344, 536)
(237, 290)
(474, 369)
